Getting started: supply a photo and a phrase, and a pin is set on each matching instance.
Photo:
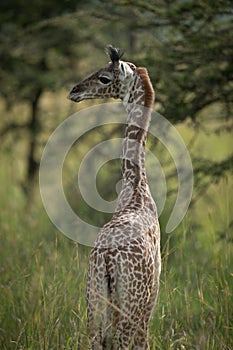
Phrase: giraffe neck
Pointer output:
(138, 107)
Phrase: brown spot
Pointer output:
(136, 249)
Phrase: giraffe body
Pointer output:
(125, 263)
(123, 280)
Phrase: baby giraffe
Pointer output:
(125, 263)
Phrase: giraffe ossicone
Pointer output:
(125, 262)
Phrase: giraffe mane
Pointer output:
(114, 53)
(149, 91)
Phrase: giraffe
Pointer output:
(125, 263)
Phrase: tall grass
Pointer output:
(195, 306)
(43, 288)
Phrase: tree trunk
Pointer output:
(32, 163)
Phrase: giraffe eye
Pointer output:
(104, 80)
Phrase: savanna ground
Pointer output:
(42, 276)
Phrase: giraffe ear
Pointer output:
(125, 71)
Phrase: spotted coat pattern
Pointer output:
(124, 266)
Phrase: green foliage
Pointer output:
(186, 47)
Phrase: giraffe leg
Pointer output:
(97, 302)
(141, 337)
(93, 325)
(124, 333)
(128, 319)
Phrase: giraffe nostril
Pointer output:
(75, 90)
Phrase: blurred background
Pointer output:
(46, 47)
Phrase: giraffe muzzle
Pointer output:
(75, 94)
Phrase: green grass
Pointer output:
(43, 287)
(195, 306)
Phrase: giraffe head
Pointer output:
(113, 80)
